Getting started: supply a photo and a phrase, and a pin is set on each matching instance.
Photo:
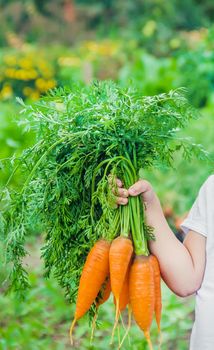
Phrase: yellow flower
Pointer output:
(25, 63)
(21, 74)
(6, 92)
(27, 91)
(31, 93)
(10, 72)
(40, 84)
(34, 95)
(50, 84)
(44, 85)
(10, 60)
(31, 74)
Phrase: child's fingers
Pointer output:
(119, 183)
(121, 200)
(121, 192)
(140, 186)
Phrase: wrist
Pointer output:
(152, 202)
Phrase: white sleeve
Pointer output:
(197, 217)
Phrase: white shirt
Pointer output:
(201, 220)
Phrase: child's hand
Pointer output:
(121, 193)
(142, 187)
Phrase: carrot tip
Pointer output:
(71, 331)
(93, 327)
(147, 336)
(117, 314)
(159, 340)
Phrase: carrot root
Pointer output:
(93, 327)
(117, 314)
(128, 327)
(118, 334)
(147, 336)
(159, 339)
(123, 324)
(71, 331)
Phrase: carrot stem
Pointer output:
(135, 213)
(125, 225)
(115, 226)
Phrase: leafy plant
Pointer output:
(82, 133)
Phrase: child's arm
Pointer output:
(182, 265)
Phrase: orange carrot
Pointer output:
(157, 281)
(119, 258)
(142, 294)
(124, 295)
(94, 273)
(105, 294)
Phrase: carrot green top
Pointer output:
(83, 134)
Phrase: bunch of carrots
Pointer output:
(124, 267)
(83, 135)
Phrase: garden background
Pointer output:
(156, 45)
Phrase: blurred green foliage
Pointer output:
(157, 44)
(12, 140)
(30, 71)
(65, 21)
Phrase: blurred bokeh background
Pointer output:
(156, 45)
